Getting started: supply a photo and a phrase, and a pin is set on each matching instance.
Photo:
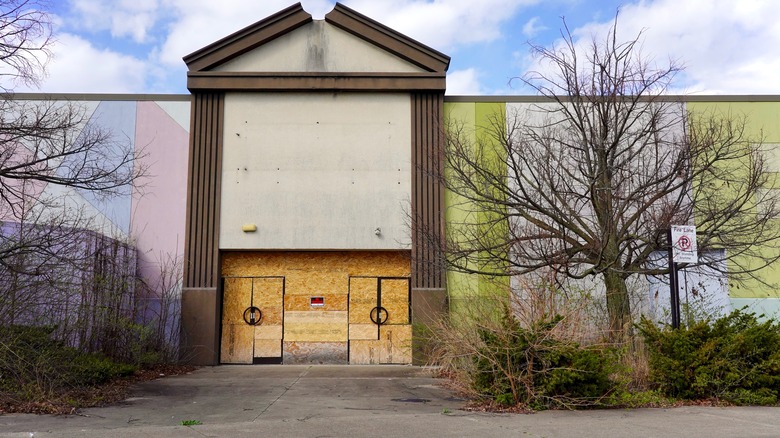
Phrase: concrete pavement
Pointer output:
(359, 401)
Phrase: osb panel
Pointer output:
(268, 332)
(364, 352)
(236, 298)
(362, 298)
(311, 316)
(395, 298)
(237, 340)
(267, 290)
(395, 344)
(363, 332)
(315, 353)
(315, 282)
(272, 315)
(303, 302)
(267, 296)
(352, 263)
(393, 347)
(313, 326)
(268, 348)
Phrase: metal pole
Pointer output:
(674, 289)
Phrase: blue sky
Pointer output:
(136, 46)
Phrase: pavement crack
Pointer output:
(286, 388)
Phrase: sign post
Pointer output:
(682, 249)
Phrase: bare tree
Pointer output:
(25, 37)
(48, 142)
(52, 252)
(588, 180)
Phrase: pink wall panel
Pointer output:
(159, 203)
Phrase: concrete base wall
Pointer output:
(200, 326)
(428, 306)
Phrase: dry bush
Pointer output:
(530, 344)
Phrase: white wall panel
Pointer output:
(316, 170)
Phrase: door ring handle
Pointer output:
(253, 315)
(379, 315)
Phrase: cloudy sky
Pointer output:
(136, 46)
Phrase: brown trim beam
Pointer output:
(382, 36)
(227, 81)
(248, 38)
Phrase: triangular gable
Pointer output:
(392, 60)
(319, 47)
(248, 38)
(382, 36)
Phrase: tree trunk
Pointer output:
(618, 306)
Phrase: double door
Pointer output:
(252, 320)
(374, 329)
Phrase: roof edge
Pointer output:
(248, 38)
(684, 98)
(124, 97)
(388, 39)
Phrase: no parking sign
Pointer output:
(684, 244)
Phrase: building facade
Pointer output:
(298, 186)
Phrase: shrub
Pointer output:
(532, 366)
(735, 358)
(34, 367)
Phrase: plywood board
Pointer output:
(282, 263)
(268, 332)
(315, 352)
(362, 298)
(267, 295)
(395, 298)
(363, 332)
(268, 348)
(235, 299)
(303, 302)
(315, 281)
(313, 326)
(395, 344)
(315, 317)
(364, 352)
(237, 341)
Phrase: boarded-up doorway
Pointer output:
(252, 320)
(379, 320)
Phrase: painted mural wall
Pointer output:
(318, 173)
(474, 120)
(762, 116)
(149, 215)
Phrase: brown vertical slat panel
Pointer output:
(427, 192)
(207, 192)
(202, 245)
(439, 132)
(215, 266)
(188, 226)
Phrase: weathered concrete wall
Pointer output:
(316, 171)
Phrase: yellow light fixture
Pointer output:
(249, 228)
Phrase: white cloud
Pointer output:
(464, 82)
(201, 22)
(533, 27)
(122, 18)
(443, 24)
(79, 67)
(727, 47)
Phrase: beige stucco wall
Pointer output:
(316, 170)
(318, 47)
